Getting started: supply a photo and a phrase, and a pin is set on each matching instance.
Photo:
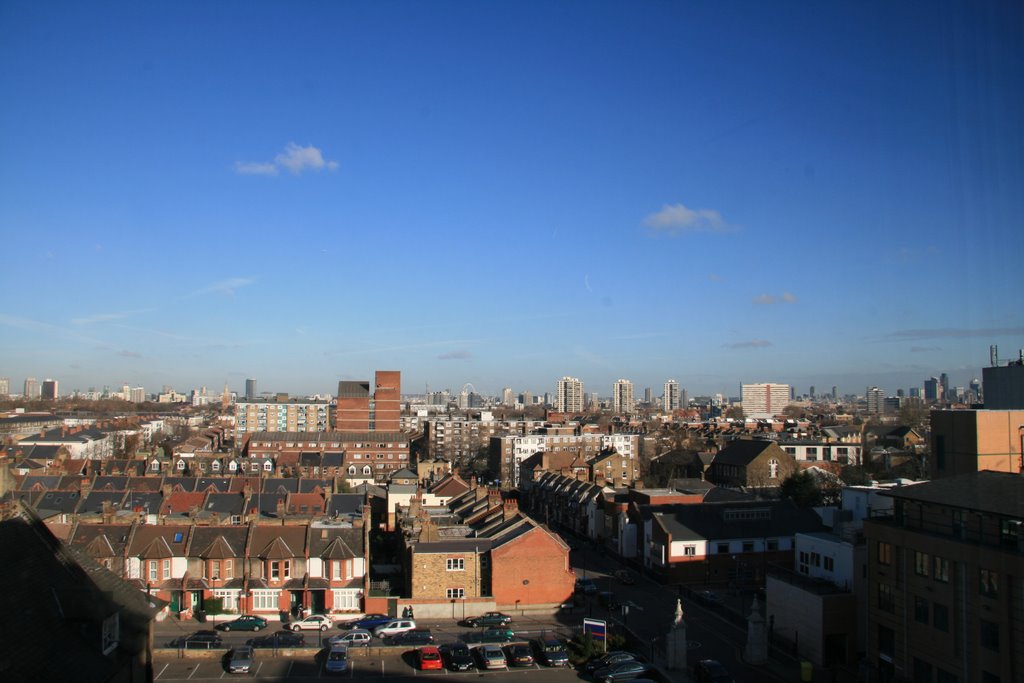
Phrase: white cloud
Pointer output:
(455, 355)
(106, 317)
(752, 344)
(676, 219)
(295, 159)
(770, 299)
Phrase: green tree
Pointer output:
(802, 489)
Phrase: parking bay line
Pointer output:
(161, 671)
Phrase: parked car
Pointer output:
(369, 621)
(621, 671)
(458, 657)
(429, 658)
(337, 659)
(489, 619)
(417, 636)
(607, 599)
(246, 622)
(491, 657)
(354, 638)
(586, 586)
(613, 657)
(278, 639)
(709, 598)
(314, 622)
(202, 640)
(552, 651)
(497, 635)
(241, 659)
(625, 577)
(393, 627)
(711, 671)
(519, 655)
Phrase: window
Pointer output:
(456, 564)
(921, 563)
(886, 641)
(988, 632)
(988, 584)
(337, 570)
(152, 570)
(773, 544)
(264, 600)
(946, 677)
(454, 593)
(940, 569)
(920, 610)
(922, 671)
(723, 548)
(367, 470)
(275, 571)
(884, 553)
(215, 569)
(111, 633)
(773, 469)
(987, 677)
(886, 602)
(352, 469)
(167, 569)
(940, 617)
(228, 569)
(748, 546)
(229, 597)
(829, 564)
(178, 536)
(690, 551)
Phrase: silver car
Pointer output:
(241, 659)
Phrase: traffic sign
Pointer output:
(597, 628)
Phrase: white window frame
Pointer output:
(455, 593)
(167, 569)
(455, 564)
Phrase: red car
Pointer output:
(429, 658)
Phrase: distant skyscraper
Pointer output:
(670, 397)
(647, 396)
(250, 389)
(932, 389)
(622, 396)
(812, 391)
(975, 387)
(5, 386)
(915, 392)
(138, 395)
(835, 393)
(762, 401)
(944, 382)
(526, 398)
(569, 395)
(32, 388)
(876, 401)
(684, 399)
(507, 397)
(48, 392)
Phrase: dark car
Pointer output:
(241, 659)
(607, 598)
(552, 652)
(622, 671)
(457, 656)
(497, 635)
(613, 657)
(278, 639)
(709, 598)
(586, 586)
(246, 622)
(368, 622)
(202, 640)
(489, 619)
(711, 671)
(417, 636)
(519, 655)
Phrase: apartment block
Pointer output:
(971, 440)
(363, 407)
(762, 401)
(280, 414)
(946, 581)
(508, 452)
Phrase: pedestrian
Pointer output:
(405, 612)
(411, 615)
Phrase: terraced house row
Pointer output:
(253, 568)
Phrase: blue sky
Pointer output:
(503, 193)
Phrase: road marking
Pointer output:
(194, 671)
(259, 666)
(161, 671)
(290, 665)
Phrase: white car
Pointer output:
(315, 622)
(393, 627)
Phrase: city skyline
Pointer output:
(509, 193)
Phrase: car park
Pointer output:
(457, 656)
(337, 659)
(607, 659)
(497, 635)
(711, 671)
(278, 639)
(429, 658)
(246, 622)
(394, 627)
(489, 619)
(519, 655)
(491, 657)
(354, 638)
(314, 622)
(552, 652)
(202, 640)
(621, 671)
(241, 660)
(417, 636)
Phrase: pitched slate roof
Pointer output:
(714, 521)
(280, 485)
(742, 452)
(997, 493)
(345, 503)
